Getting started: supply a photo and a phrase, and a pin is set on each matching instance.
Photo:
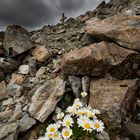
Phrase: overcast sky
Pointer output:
(36, 13)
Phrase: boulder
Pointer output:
(45, 98)
(114, 98)
(16, 40)
(41, 53)
(124, 30)
(9, 131)
(94, 60)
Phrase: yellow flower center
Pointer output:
(97, 125)
(68, 123)
(86, 113)
(80, 113)
(78, 105)
(66, 133)
(52, 129)
(87, 125)
(49, 135)
(56, 136)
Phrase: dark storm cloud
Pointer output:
(34, 13)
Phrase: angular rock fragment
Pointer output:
(94, 60)
(41, 53)
(26, 123)
(24, 69)
(17, 79)
(32, 66)
(3, 93)
(45, 98)
(114, 98)
(16, 40)
(124, 30)
(41, 71)
(14, 90)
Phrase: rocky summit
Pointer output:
(98, 52)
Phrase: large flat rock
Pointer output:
(94, 60)
(125, 30)
(114, 98)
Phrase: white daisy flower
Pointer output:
(48, 135)
(56, 136)
(71, 110)
(52, 128)
(80, 112)
(60, 115)
(81, 119)
(84, 94)
(66, 133)
(86, 111)
(68, 121)
(87, 125)
(77, 103)
(98, 125)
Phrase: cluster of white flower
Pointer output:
(78, 115)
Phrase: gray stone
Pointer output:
(14, 90)
(9, 131)
(8, 101)
(24, 69)
(32, 66)
(16, 40)
(76, 85)
(26, 123)
(102, 136)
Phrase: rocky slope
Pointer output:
(98, 52)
